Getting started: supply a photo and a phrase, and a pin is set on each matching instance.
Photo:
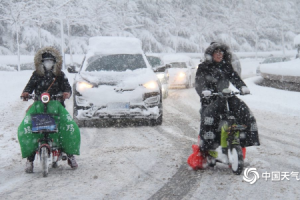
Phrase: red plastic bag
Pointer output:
(244, 152)
(195, 160)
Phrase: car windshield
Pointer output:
(118, 62)
(178, 65)
(154, 61)
(272, 60)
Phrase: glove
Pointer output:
(66, 95)
(206, 93)
(24, 96)
(244, 90)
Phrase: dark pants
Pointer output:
(210, 132)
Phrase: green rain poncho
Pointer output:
(67, 138)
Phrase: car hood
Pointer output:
(127, 79)
(116, 86)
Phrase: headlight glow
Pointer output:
(160, 76)
(151, 85)
(181, 75)
(83, 85)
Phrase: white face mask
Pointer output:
(48, 64)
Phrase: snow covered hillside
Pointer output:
(150, 162)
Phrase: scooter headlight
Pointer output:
(45, 97)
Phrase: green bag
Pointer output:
(67, 138)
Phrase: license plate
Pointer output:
(118, 106)
(43, 122)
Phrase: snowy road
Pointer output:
(150, 162)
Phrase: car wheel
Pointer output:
(159, 120)
(189, 84)
(165, 95)
(80, 123)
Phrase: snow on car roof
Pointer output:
(104, 45)
(114, 45)
(176, 58)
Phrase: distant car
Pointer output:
(269, 60)
(236, 64)
(115, 84)
(161, 71)
(182, 70)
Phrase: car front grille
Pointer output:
(151, 94)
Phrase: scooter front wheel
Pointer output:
(236, 160)
(44, 161)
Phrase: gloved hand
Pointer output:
(244, 90)
(206, 93)
(25, 96)
(66, 95)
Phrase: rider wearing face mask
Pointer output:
(48, 63)
(48, 77)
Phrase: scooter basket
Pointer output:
(43, 123)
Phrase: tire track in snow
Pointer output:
(179, 185)
(185, 181)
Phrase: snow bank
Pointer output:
(282, 71)
(290, 68)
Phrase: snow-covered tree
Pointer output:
(282, 21)
(162, 25)
(15, 13)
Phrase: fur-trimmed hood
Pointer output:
(208, 55)
(38, 61)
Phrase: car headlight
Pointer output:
(151, 85)
(181, 75)
(160, 76)
(80, 86)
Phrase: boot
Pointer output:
(29, 167)
(72, 162)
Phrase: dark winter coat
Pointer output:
(41, 79)
(216, 76)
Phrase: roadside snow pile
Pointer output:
(6, 68)
(290, 68)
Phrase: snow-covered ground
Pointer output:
(150, 162)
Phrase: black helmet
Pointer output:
(48, 56)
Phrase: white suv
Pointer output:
(116, 84)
